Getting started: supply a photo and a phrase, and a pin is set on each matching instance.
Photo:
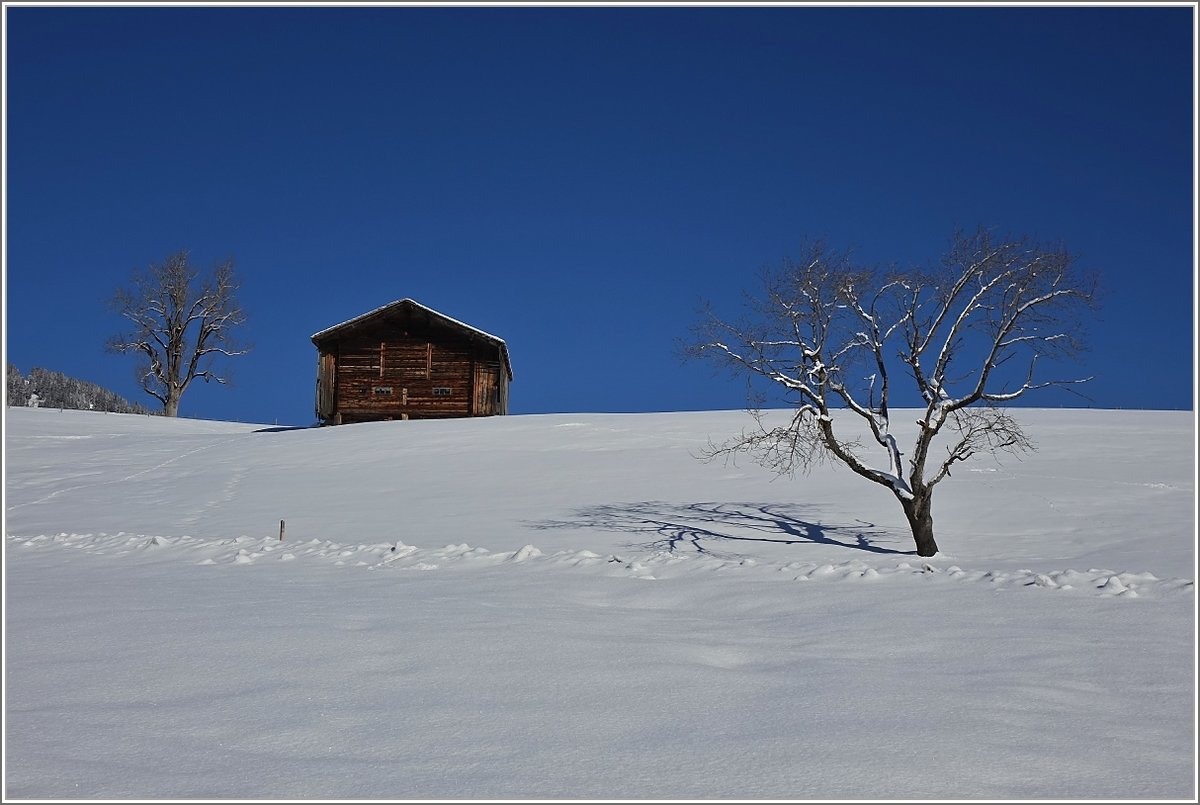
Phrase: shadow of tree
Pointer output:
(700, 526)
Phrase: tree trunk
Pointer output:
(919, 512)
(171, 407)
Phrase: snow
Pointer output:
(573, 606)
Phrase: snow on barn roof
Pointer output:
(412, 303)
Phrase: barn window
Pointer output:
(441, 391)
(382, 390)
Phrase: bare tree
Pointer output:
(967, 335)
(180, 323)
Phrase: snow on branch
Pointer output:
(832, 334)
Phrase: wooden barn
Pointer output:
(407, 361)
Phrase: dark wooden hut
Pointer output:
(407, 361)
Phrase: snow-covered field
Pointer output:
(573, 606)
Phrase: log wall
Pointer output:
(408, 376)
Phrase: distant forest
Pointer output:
(46, 389)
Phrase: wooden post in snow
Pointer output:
(281, 530)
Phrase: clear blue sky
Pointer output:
(575, 180)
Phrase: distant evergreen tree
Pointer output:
(16, 389)
(56, 390)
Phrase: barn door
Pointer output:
(487, 391)
(326, 378)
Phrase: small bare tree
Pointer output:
(967, 335)
(180, 324)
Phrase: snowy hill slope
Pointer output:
(573, 605)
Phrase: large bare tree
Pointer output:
(180, 323)
(968, 336)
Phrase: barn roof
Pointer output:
(410, 305)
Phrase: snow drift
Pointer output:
(574, 606)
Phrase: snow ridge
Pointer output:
(398, 556)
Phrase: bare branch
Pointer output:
(982, 430)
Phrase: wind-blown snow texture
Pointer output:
(574, 606)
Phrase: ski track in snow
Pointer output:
(401, 557)
(1000, 474)
(226, 496)
(138, 474)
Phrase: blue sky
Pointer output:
(576, 180)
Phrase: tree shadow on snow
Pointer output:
(700, 527)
